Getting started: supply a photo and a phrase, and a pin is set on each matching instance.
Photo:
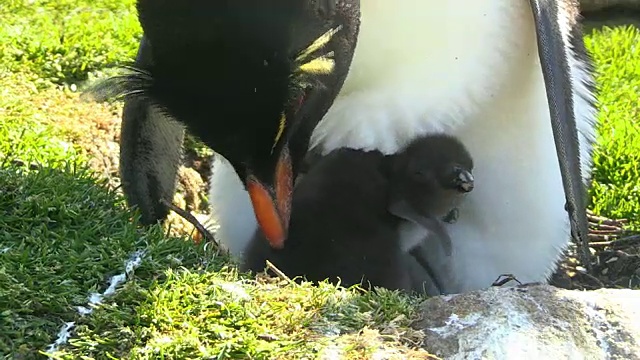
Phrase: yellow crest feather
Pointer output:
(321, 65)
(283, 122)
(318, 43)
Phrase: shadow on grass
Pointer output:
(610, 17)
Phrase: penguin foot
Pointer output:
(505, 278)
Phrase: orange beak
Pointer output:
(272, 206)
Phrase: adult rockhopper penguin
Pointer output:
(510, 78)
(348, 211)
(235, 74)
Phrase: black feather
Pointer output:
(340, 224)
(231, 70)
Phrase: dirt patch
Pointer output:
(94, 129)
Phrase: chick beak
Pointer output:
(463, 180)
(272, 204)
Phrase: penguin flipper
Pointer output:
(150, 141)
(553, 47)
(434, 227)
(428, 250)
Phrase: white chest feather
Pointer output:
(469, 68)
(426, 65)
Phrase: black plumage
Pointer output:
(340, 226)
(348, 208)
(235, 73)
(232, 65)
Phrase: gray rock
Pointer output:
(533, 322)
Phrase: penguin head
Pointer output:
(235, 73)
(431, 172)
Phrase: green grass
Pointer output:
(62, 41)
(616, 187)
(64, 233)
